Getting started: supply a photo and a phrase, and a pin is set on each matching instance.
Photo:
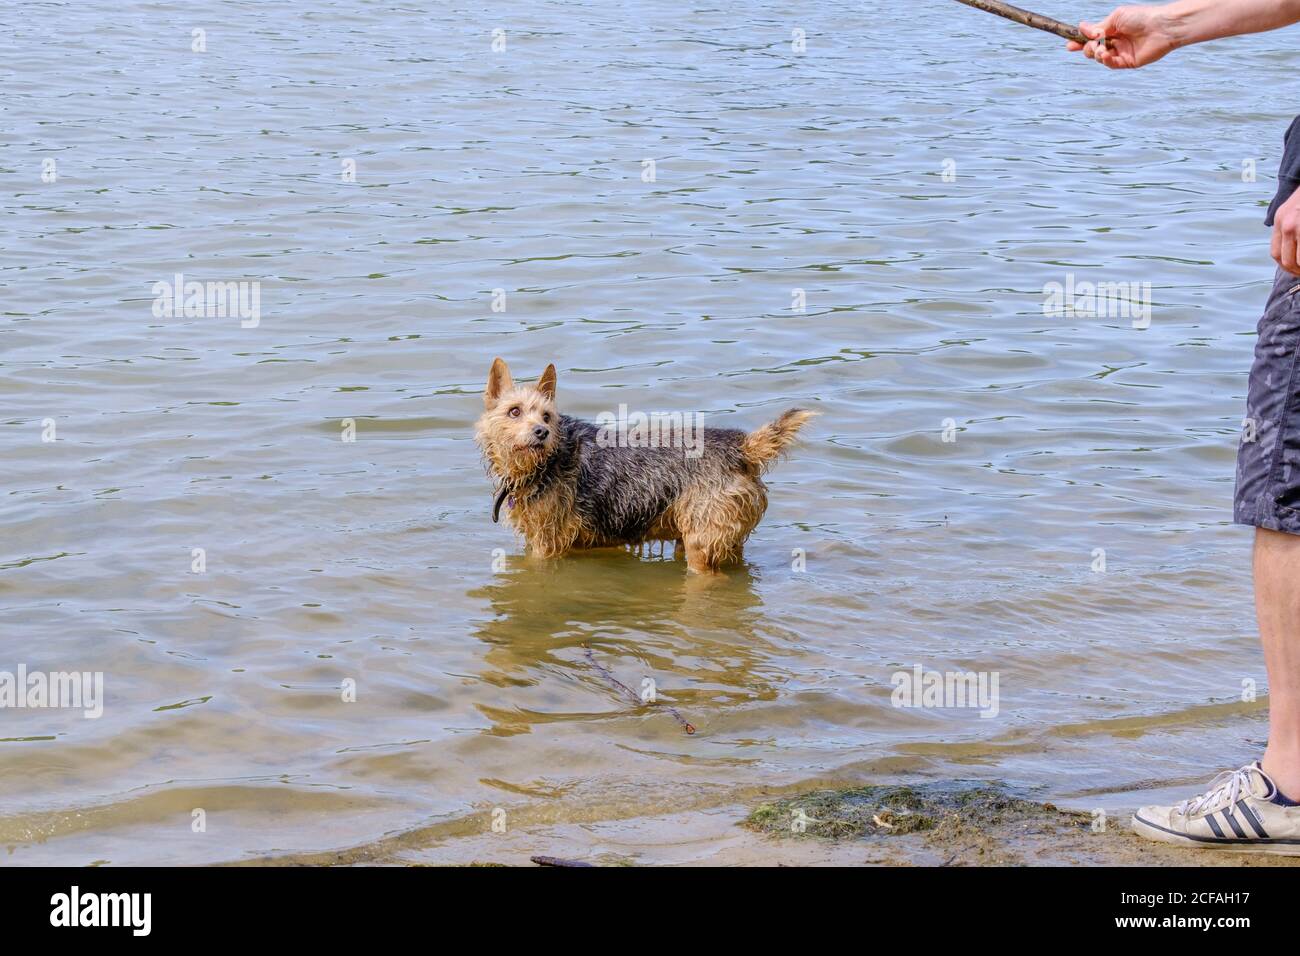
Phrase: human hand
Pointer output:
(1286, 234)
(1134, 36)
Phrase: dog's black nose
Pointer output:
(540, 433)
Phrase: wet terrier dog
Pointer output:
(570, 484)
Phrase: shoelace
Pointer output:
(1233, 782)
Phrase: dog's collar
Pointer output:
(496, 505)
(561, 463)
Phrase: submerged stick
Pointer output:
(632, 695)
(1035, 20)
(557, 861)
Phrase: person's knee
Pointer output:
(1276, 554)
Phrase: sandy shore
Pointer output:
(929, 825)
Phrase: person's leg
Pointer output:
(1277, 605)
(1253, 808)
(1268, 497)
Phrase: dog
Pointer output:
(567, 485)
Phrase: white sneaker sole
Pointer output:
(1153, 831)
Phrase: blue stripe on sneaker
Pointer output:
(1251, 818)
(1214, 826)
(1232, 822)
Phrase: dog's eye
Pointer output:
(514, 412)
(546, 417)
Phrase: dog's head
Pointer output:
(518, 430)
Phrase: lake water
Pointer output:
(381, 171)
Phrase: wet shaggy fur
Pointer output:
(564, 490)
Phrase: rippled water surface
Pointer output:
(478, 681)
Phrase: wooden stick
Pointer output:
(606, 673)
(1035, 20)
(557, 861)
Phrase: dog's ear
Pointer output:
(546, 384)
(499, 381)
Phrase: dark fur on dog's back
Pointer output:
(571, 484)
(622, 492)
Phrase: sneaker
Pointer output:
(1241, 811)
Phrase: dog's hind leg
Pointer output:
(715, 524)
(712, 543)
(712, 547)
(699, 557)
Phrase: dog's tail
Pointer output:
(765, 444)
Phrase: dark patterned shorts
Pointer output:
(1268, 458)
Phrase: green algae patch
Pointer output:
(896, 810)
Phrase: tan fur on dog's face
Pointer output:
(517, 430)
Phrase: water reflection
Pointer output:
(700, 639)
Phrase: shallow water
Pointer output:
(375, 561)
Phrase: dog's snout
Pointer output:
(540, 432)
